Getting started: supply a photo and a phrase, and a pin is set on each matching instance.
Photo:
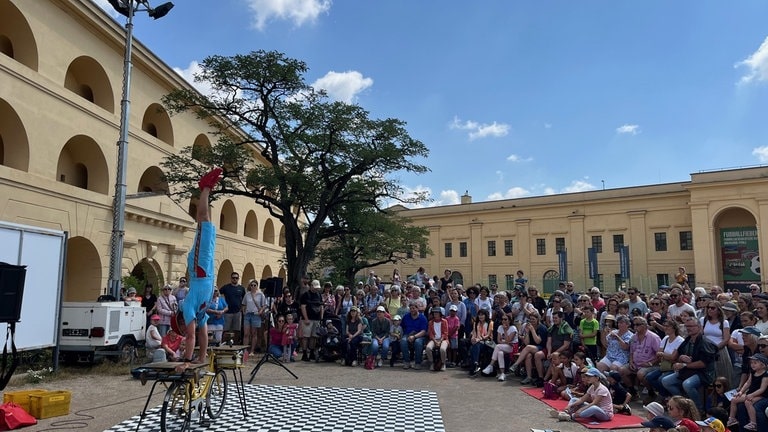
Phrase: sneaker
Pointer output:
(354, 363)
(443, 368)
(406, 365)
(526, 381)
(625, 410)
(416, 366)
(502, 377)
(488, 369)
(378, 363)
(451, 365)
(554, 413)
(564, 416)
(304, 357)
(513, 369)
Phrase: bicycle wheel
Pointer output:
(175, 415)
(217, 395)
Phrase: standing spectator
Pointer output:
(538, 302)
(329, 299)
(233, 293)
(484, 301)
(148, 301)
(255, 305)
(445, 281)
(414, 332)
(472, 309)
(289, 338)
(181, 290)
(522, 310)
(570, 291)
(166, 307)
(395, 277)
(380, 335)
(678, 304)
(461, 309)
(521, 280)
(597, 301)
(372, 302)
(312, 315)
(681, 277)
(589, 330)
(695, 366)
(635, 302)
(453, 333)
(216, 310)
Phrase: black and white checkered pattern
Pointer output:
(316, 409)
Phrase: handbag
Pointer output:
(12, 416)
(665, 365)
(370, 362)
(550, 391)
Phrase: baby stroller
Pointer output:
(330, 339)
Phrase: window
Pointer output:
(422, 251)
(541, 246)
(686, 241)
(661, 241)
(509, 281)
(662, 279)
(507, 247)
(559, 244)
(599, 281)
(492, 279)
(597, 244)
(618, 281)
(448, 250)
(409, 254)
(618, 242)
(491, 247)
(462, 249)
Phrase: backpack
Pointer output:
(550, 391)
(370, 362)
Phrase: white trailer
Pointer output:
(94, 329)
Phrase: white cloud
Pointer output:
(516, 158)
(511, 193)
(189, 75)
(756, 64)
(761, 153)
(343, 86)
(578, 186)
(446, 197)
(478, 130)
(631, 129)
(297, 11)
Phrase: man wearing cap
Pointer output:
(153, 339)
(659, 424)
(438, 336)
(414, 332)
(695, 365)
(380, 335)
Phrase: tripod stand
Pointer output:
(268, 357)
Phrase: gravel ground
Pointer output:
(467, 404)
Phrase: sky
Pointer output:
(516, 98)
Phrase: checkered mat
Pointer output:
(316, 409)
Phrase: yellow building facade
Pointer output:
(61, 72)
(711, 225)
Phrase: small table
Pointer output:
(232, 358)
(163, 372)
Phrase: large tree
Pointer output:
(292, 149)
(372, 238)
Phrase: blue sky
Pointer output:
(517, 98)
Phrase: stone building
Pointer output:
(61, 71)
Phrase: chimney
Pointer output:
(466, 198)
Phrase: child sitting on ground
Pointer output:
(577, 388)
(751, 392)
(566, 372)
(619, 394)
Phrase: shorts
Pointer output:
(252, 320)
(200, 288)
(233, 321)
(613, 365)
(454, 342)
(309, 328)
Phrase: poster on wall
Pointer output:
(740, 257)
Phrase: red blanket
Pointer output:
(619, 421)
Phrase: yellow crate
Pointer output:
(50, 404)
(21, 397)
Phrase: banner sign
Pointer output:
(562, 261)
(624, 261)
(741, 259)
(592, 259)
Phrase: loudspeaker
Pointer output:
(12, 279)
(273, 287)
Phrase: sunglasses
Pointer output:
(166, 289)
(761, 346)
(183, 280)
(235, 277)
(674, 295)
(655, 304)
(712, 307)
(718, 386)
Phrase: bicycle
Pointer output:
(192, 392)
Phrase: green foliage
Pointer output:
(133, 282)
(292, 150)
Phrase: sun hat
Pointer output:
(610, 317)
(761, 358)
(754, 331)
(729, 306)
(316, 284)
(654, 408)
(594, 372)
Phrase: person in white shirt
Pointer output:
(678, 305)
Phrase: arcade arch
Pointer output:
(157, 123)
(223, 277)
(228, 217)
(269, 232)
(87, 79)
(14, 144)
(82, 273)
(16, 38)
(82, 164)
(152, 180)
(251, 228)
